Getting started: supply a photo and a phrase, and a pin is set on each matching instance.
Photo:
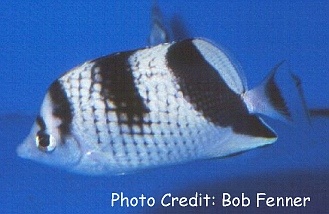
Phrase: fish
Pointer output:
(166, 104)
(170, 103)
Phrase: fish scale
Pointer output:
(174, 113)
(164, 125)
(89, 113)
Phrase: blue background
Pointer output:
(40, 40)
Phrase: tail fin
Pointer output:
(298, 83)
(267, 98)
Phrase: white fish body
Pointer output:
(167, 104)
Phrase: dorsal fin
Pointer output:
(159, 33)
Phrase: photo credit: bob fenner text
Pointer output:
(198, 199)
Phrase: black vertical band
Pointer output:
(119, 87)
(203, 86)
(61, 106)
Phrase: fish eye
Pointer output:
(45, 142)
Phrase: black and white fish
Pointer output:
(167, 104)
(170, 103)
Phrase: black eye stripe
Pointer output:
(41, 123)
(61, 106)
(43, 139)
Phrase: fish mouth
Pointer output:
(23, 150)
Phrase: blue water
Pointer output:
(41, 40)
